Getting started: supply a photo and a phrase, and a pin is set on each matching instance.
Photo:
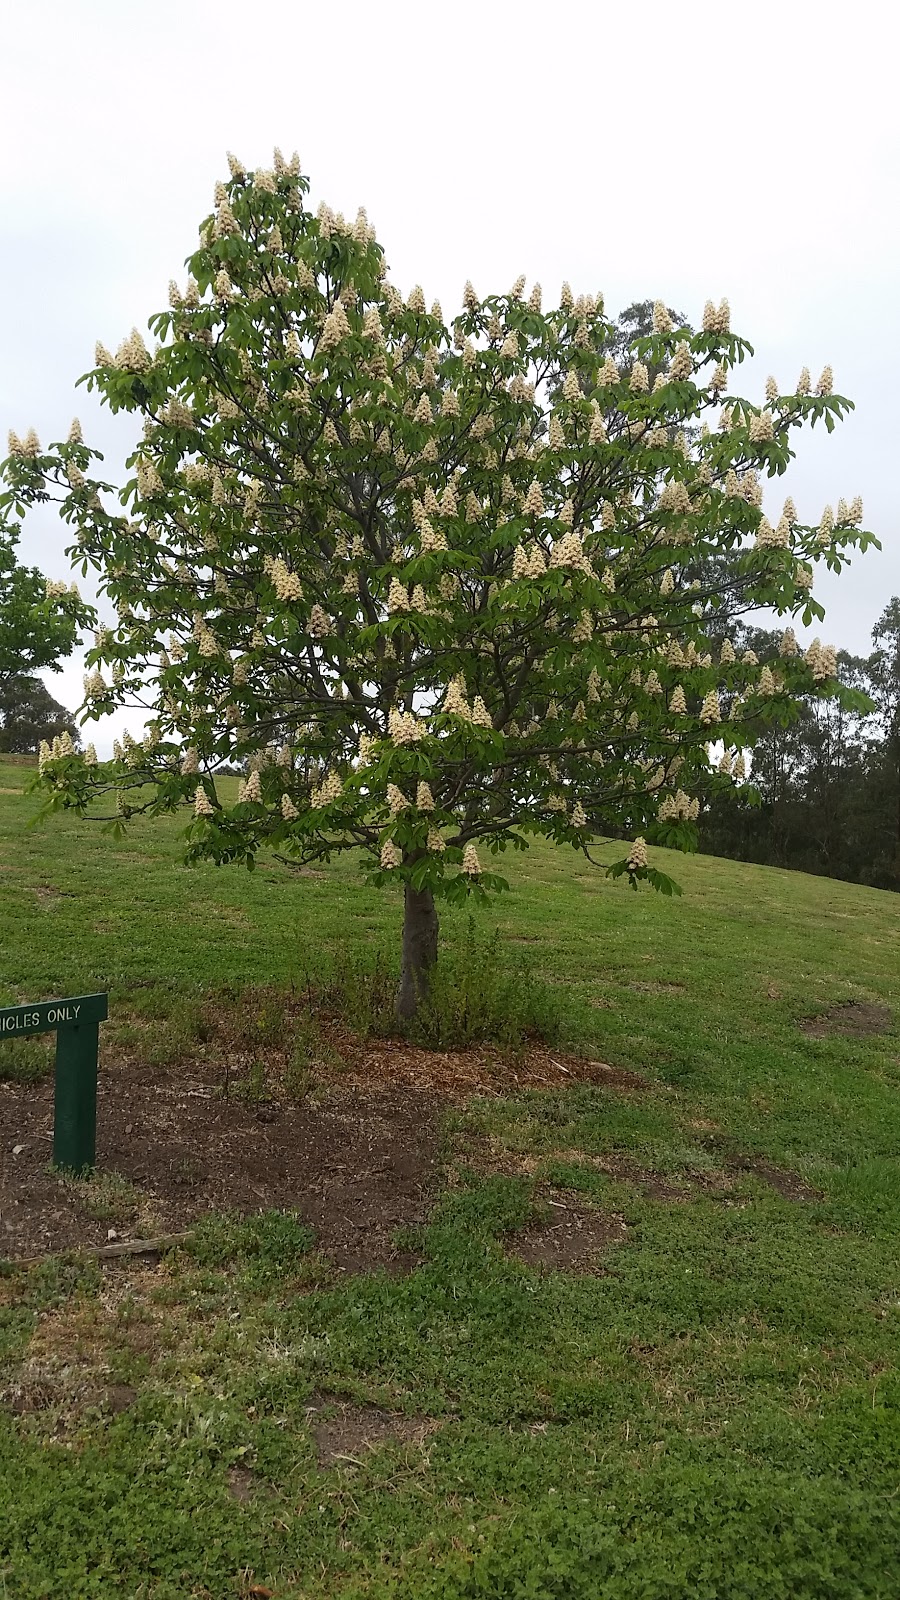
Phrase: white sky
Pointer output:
(687, 151)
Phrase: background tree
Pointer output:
(807, 805)
(429, 582)
(39, 618)
(29, 715)
(884, 677)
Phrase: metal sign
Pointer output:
(77, 1024)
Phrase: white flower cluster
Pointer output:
(675, 497)
(470, 863)
(29, 447)
(455, 702)
(404, 727)
(568, 552)
(336, 327)
(203, 806)
(822, 660)
(533, 504)
(251, 790)
(716, 320)
(710, 711)
(637, 855)
(132, 354)
(679, 808)
(286, 584)
(431, 538)
(396, 800)
(148, 479)
(61, 746)
(682, 364)
(398, 599)
(769, 538)
(327, 793)
(762, 427)
(528, 563)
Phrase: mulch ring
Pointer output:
(356, 1159)
(456, 1075)
(856, 1019)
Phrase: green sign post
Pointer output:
(77, 1025)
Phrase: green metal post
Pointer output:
(75, 1113)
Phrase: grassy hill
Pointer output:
(648, 1344)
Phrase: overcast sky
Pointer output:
(680, 152)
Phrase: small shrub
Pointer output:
(362, 995)
(478, 997)
(255, 1087)
(310, 1052)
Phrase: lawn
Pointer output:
(697, 1395)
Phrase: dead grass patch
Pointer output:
(855, 1019)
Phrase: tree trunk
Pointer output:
(420, 948)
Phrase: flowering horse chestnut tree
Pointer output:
(435, 586)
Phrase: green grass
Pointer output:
(718, 1416)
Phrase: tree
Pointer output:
(426, 581)
(39, 618)
(808, 804)
(29, 715)
(884, 671)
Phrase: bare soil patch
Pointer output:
(343, 1430)
(788, 1184)
(242, 1484)
(355, 1158)
(855, 1019)
(356, 1166)
(571, 1239)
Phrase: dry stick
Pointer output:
(106, 1252)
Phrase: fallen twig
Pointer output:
(105, 1252)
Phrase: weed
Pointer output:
(25, 1060)
(477, 996)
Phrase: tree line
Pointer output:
(824, 795)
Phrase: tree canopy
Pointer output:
(437, 585)
(29, 716)
(39, 618)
